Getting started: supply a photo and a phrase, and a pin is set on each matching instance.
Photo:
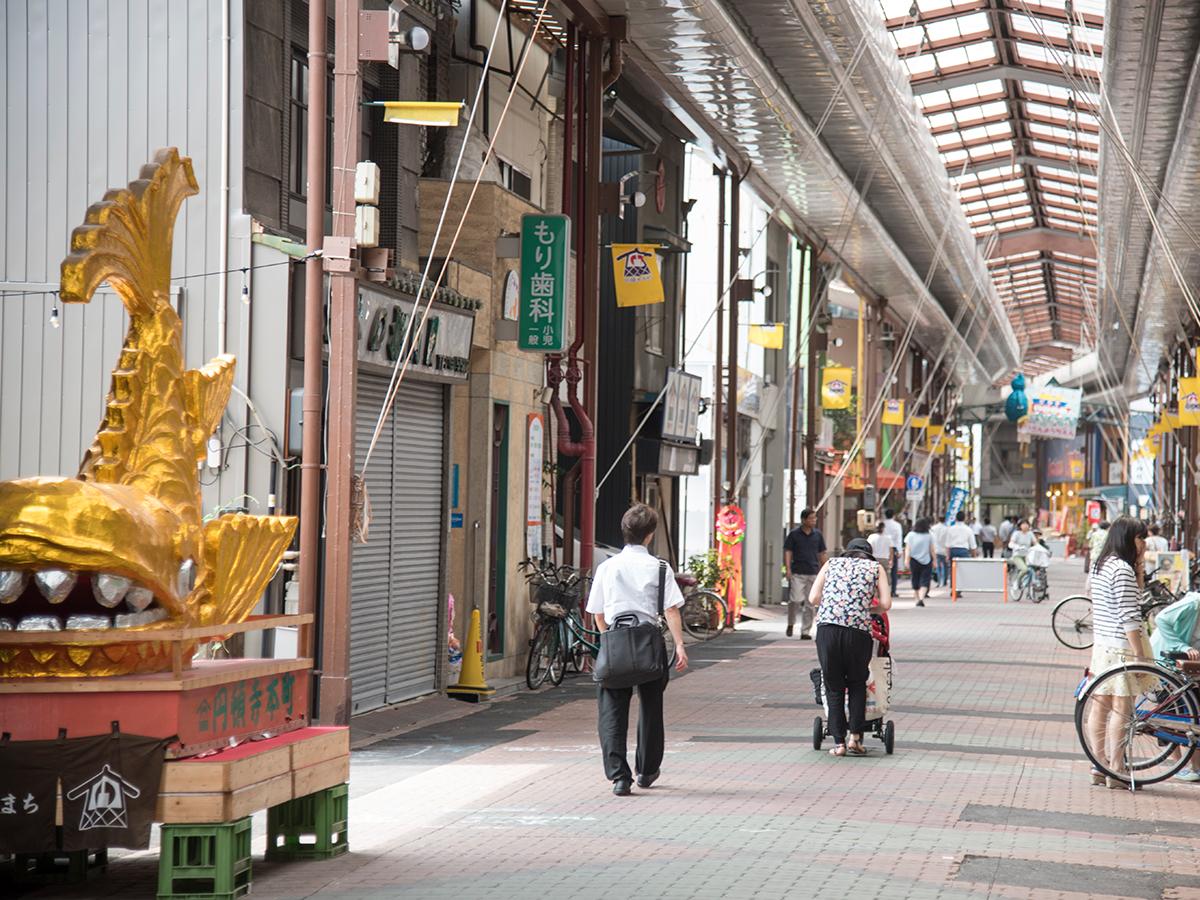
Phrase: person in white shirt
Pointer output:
(1155, 544)
(987, 538)
(895, 532)
(628, 583)
(881, 547)
(1003, 534)
(960, 540)
(941, 554)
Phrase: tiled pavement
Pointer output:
(986, 796)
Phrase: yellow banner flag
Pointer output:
(636, 275)
(767, 336)
(893, 412)
(919, 422)
(933, 438)
(1170, 422)
(1189, 401)
(835, 387)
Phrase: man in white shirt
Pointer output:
(960, 540)
(895, 533)
(940, 553)
(628, 583)
(881, 546)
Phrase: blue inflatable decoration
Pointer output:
(1016, 407)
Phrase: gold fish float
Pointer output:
(124, 545)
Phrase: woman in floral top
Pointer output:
(845, 589)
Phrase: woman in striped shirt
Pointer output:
(1120, 635)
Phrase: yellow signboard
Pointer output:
(893, 412)
(636, 275)
(767, 336)
(933, 438)
(1189, 401)
(835, 387)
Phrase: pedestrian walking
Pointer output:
(987, 538)
(629, 583)
(941, 555)
(960, 541)
(1096, 540)
(803, 555)
(881, 547)
(1004, 532)
(1155, 544)
(918, 556)
(1120, 637)
(844, 592)
(896, 533)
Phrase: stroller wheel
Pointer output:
(889, 737)
(818, 733)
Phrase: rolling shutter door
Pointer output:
(370, 577)
(396, 575)
(417, 517)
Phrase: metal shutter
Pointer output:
(396, 575)
(370, 577)
(417, 517)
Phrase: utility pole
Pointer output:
(731, 421)
(314, 319)
(718, 491)
(343, 362)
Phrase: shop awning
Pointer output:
(886, 479)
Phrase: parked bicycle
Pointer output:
(560, 638)
(1071, 619)
(704, 611)
(1152, 718)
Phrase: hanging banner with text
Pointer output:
(893, 412)
(545, 250)
(636, 276)
(958, 499)
(835, 387)
(1189, 401)
(1053, 412)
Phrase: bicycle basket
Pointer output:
(543, 593)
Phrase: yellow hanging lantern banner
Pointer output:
(835, 387)
(893, 412)
(933, 438)
(769, 337)
(1189, 401)
(636, 275)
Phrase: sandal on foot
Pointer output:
(856, 749)
(838, 750)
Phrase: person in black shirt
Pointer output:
(803, 555)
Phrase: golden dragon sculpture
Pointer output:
(124, 544)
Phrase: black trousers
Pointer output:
(989, 549)
(614, 728)
(845, 655)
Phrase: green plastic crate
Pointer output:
(310, 827)
(205, 862)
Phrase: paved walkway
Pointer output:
(986, 796)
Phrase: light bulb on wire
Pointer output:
(55, 319)
(245, 289)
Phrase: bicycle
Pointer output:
(1071, 619)
(1156, 728)
(703, 611)
(560, 638)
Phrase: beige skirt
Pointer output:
(1105, 658)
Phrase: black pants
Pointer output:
(614, 728)
(989, 549)
(845, 655)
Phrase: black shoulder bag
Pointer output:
(633, 652)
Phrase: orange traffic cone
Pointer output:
(471, 686)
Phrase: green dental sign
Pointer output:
(545, 250)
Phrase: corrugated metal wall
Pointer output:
(91, 90)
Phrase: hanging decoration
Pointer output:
(1053, 412)
(835, 387)
(731, 532)
(1016, 407)
(770, 337)
(893, 412)
(1189, 401)
(636, 276)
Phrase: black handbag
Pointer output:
(632, 652)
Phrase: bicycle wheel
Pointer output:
(1136, 723)
(543, 651)
(1072, 622)
(1016, 584)
(703, 615)
(558, 664)
(576, 650)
